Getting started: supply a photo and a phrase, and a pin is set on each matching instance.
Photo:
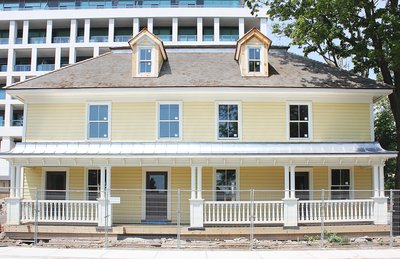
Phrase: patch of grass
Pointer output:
(335, 238)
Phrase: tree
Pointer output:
(385, 133)
(365, 31)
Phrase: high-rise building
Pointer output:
(38, 36)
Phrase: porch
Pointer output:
(289, 190)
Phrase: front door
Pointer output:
(156, 196)
(56, 184)
(302, 185)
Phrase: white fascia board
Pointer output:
(198, 94)
(127, 13)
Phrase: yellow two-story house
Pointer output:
(197, 135)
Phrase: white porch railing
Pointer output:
(239, 212)
(74, 211)
(336, 211)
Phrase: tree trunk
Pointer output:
(395, 106)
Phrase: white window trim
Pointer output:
(158, 103)
(85, 181)
(262, 54)
(310, 172)
(240, 119)
(351, 168)
(156, 169)
(87, 121)
(214, 181)
(310, 120)
(144, 74)
(55, 169)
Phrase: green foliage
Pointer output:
(308, 238)
(367, 32)
(334, 238)
(386, 135)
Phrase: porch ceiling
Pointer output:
(189, 153)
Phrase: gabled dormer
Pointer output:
(148, 54)
(252, 53)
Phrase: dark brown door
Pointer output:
(56, 184)
(156, 196)
(302, 185)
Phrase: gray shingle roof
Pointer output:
(205, 68)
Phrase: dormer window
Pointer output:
(254, 59)
(145, 60)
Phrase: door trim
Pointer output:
(310, 172)
(45, 170)
(156, 169)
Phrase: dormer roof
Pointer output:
(253, 33)
(146, 33)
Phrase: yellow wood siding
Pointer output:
(341, 121)
(32, 180)
(199, 121)
(56, 122)
(363, 182)
(133, 121)
(263, 121)
(136, 121)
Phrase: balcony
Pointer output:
(98, 38)
(1, 122)
(17, 123)
(37, 40)
(3, 41)
(18, 40)
(80, 39)
(208, 37)
(165, 37)
(122, 38)
(61, 39)
(21, 68)
(45, 67)
(3, 68)
(187, 37)
(228, 37)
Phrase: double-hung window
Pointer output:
(93, 184)
(228, 121)
(254, 55)
(225, 185)
(299, 121)
(340, 184)
(145, 60)
(98, 125)
(169, 121)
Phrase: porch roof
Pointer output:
(191, 149)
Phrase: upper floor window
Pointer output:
(228, 121)
(98, 125)
(299, 121)
(254, 59)
(169, 120)
(226, 184)
(340, 184)
(145, 60)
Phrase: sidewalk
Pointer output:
(44, 253)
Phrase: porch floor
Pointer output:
(26, 231)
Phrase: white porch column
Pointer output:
(196, 202)
(13, 203)
(290, 205)
(193, 184)
(380, 201)
(375, 174)
(286, 177)
(105, 207)
(292, 182)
